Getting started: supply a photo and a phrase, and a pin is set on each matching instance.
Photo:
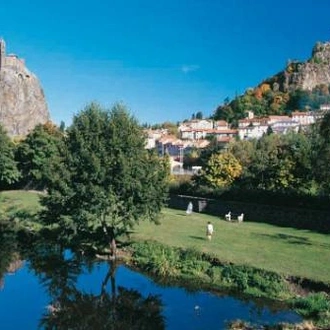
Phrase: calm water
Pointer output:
(92, 296)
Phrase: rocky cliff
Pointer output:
(22, 100)
(305, 75)
(302, 86)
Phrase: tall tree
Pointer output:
(9, 172)
(37, 154)
(107, 181)
(199, 115)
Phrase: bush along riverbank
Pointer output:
(208, 272)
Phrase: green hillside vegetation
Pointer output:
(267, 99)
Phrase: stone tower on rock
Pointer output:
(22, 100)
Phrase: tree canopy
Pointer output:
(9, 172)
(37, 153)
(221, 170)
(107, 180)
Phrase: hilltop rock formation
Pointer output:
(303, 86)
(304, 75)
(22, 100)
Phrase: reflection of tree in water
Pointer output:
(10, 259)
(71, 308)
(127, 310)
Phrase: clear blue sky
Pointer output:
(163, 59)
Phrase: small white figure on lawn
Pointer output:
(240, 217)
(209, 230)
(189, 208)
(228, 216)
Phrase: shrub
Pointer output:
(314, 306)
(174, 262)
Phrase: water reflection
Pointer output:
(73, 308)
(58, 289)
(10, 259)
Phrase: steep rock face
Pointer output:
(305, 75)
(22, 101)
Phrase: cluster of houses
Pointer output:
(194, 134)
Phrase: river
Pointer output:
(60, 291)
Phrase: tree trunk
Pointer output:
(110, 233)
(110, 275)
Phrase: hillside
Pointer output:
(300, 86)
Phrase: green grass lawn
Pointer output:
(19, 200)
(284, 250)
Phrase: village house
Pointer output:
(152, 136)
(201, 129)
(325, 107)
(303, 118)
(255, 127)
(285, 126)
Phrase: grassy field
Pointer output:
(19, 200)
(284, 250)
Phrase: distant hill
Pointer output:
(300, 86)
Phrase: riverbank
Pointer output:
(287, 251)
(254, 258)
(198, 271)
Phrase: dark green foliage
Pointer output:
(38, 154)
(254, 281)
(166, 261)
(199, 115)
(107, 181)
(322, 155)
(9, 172)
(315, 306)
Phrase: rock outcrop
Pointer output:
(305, 75)
(22, 100)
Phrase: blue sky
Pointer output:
(165, 60)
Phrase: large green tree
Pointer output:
(279, 163)
(37, 153)
(107, 180)
(9, 172)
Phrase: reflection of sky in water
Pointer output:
(23, 301)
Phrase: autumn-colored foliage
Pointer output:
(221, 170)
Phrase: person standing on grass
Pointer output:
(209, 230)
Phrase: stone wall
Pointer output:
(282, 216)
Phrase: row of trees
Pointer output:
(100, 179)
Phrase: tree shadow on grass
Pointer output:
(291, 239)
(198, 237)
